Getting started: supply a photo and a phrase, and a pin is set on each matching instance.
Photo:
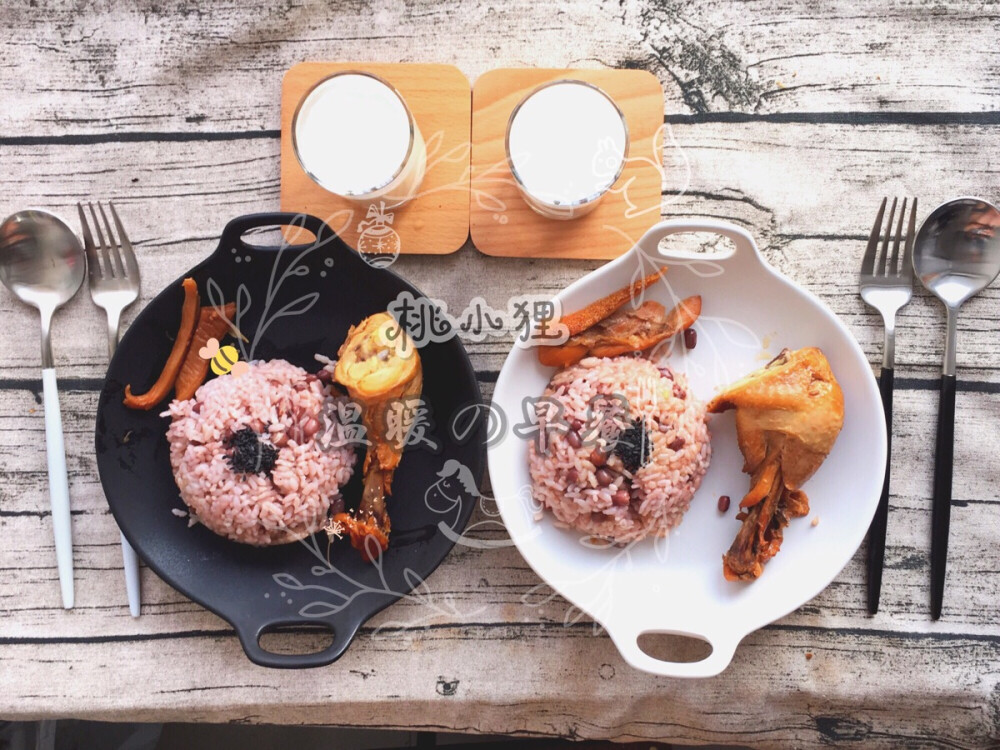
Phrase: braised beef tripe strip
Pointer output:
(185, 332)
(595, 312)
(624, 331)
(213, 323)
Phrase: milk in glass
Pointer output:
(354, 136)
(567, 143)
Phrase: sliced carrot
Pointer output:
(213, 323)
(561, 356)
(185, 332)
(595, 312)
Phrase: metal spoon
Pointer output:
(42, 263)
(956, 255)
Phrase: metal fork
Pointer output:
(886, 285)
(113, 276)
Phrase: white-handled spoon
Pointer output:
(42, 263)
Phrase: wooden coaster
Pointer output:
(501, 222)
(437, 220)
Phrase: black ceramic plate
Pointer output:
(261, 589)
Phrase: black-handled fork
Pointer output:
(886, 285)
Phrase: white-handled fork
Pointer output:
(113, 276)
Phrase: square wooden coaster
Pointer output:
(437, 220)
(501, 222)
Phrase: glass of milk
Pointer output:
(567, 142)
(354, 136)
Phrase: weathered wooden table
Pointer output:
(794, 121)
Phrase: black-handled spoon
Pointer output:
(956, 255)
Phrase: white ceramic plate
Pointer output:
(749, 313)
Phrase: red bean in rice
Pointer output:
(284, 405)
(569, 477)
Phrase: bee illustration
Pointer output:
(224, 359)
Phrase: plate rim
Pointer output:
(248, 634)
(724, 646)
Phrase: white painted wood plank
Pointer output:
(839, 694)
(178, 66)
(811, 217)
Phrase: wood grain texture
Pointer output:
(502, 224)
(436, 220)
(789, 119)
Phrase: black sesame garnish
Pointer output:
(634, 446)
(250, 454)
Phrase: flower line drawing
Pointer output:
(330, 601)
(603, 580)
(298, 306)
(454, 484)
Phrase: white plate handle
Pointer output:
(745, 253)
(626, 639)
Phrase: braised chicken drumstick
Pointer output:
(380, 367)
(788, 415)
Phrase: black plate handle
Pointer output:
(250, 633)
(232, 235)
